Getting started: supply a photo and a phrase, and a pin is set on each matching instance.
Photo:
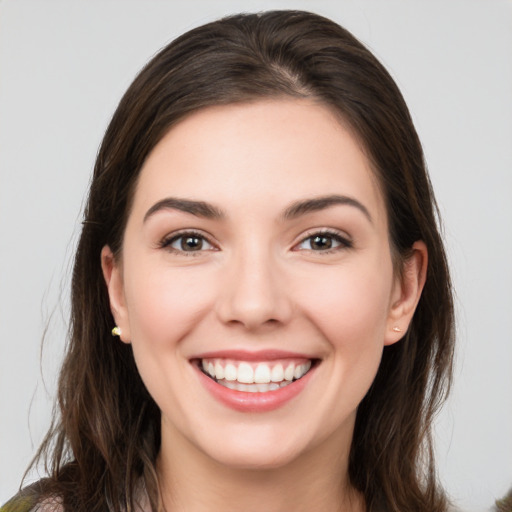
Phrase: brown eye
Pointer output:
(187, 243)
(190, 243)
(321, 242)
(324, 242)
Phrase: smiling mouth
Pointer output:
(255, 377)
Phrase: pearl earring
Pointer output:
(116, 331)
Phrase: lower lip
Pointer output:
(254, 402)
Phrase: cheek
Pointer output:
(165, 303)
(352, 316)
(351, 308)
(164, 306)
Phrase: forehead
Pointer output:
(266, 152)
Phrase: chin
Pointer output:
(262, 447)
(251, 459)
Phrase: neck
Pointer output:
(318, 480)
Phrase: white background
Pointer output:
(65, 64)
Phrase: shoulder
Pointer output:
(505, 504)
(17, 505)
(29, 500)
(20, 503)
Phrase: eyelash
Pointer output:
(167, 242)
(344, 242)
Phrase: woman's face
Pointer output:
(256, 284)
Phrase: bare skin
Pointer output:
(315, 481)
(258, 237)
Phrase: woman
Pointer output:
(261, 239)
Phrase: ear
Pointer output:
(112, 273)
(406, 293)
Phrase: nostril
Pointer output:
(255, 324)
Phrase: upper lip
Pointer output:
(246, 355)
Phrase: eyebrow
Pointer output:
(299, 208)
(197, 208)
(296, 209)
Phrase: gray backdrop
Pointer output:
(65, 64)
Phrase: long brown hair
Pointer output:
(106, 437)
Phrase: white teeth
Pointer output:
(245, 373)
(298, 372)
(248, 388)
(262, 374)
(219, 371)
(230, 372)
(288, 373)
(277, 373)
(301, 370)
(253, 388)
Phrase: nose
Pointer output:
(253, 292)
